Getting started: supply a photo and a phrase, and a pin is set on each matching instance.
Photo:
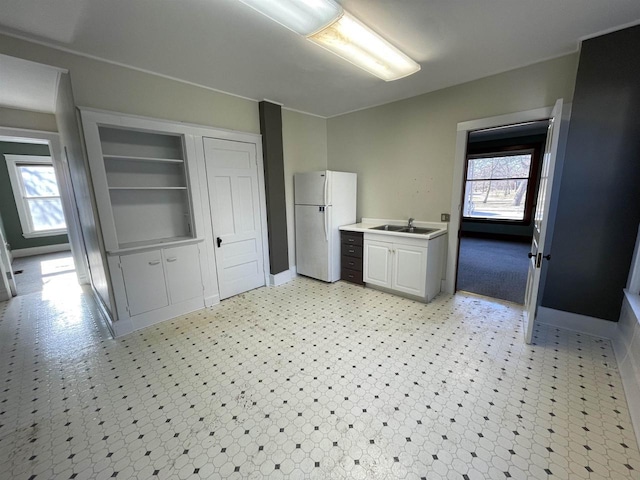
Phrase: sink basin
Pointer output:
(389, 228)
(417, 230)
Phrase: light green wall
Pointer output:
(404, 151)
(10, 117)
(10, 218)
(106, 86)
(110, 87)
(304, 140)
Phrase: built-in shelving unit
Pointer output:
(142, 186)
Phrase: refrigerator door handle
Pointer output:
(324, 223)
(326, 184)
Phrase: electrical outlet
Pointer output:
(445, 217)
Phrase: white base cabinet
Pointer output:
(157, 284)
(410, 266)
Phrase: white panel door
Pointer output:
(232, 179)
(377, 263)
(312, 245)
(409, 269)
(144, 281)
(537, 254)
(182, 269)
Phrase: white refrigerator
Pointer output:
(324, 201)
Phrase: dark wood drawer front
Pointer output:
(351, 238)
(352, 250)
(353, 276)
(352, 263)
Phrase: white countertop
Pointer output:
(368, 223)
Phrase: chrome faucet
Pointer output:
(411, 222)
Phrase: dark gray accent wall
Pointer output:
(271, 129)
(11, 220)
(599, 197)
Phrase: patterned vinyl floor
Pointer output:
(307, 380)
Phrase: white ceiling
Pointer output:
(224, 44)
(27, 85)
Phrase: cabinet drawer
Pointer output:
(352, 263)
(353, 276)
(351, 238)
(352, 250)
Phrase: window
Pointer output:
(37, 196)
(497, 186)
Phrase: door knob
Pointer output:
(547, 257)
(219, 241)
(531, 254)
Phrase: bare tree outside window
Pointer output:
(496, 186)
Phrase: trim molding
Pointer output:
(625, 339)
(282, 277)
(575, 322)
(27, 252)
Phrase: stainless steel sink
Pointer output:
(405, 229)
(417, 230)
(389, 228)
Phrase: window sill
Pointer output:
(46, 233)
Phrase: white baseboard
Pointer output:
(577, 323)
(625, 338)
(212, 300)
(627, 347)
(282, 277)
(28, 252)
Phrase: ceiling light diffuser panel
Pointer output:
(325, 23)
(302, 16)
(355, 42)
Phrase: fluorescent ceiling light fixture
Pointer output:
(325, 23)
(302, 16)
(356, 43)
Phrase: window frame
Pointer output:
(483, 152)
(19, 194)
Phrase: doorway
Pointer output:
(501, 177)
(36, 253)
(462, 136)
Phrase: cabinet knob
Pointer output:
(154, 262)
(172, 259)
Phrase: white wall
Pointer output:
(10, 117)
(404, 151)
(71, 144)
(304, 139)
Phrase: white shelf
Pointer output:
(147, 188)
(142, 159)
(163, 242)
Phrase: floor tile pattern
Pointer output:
(308, 380)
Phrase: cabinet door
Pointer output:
(377, 263)
(182, 268)
(144, 281)
(409, 269)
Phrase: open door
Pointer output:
(537, 254)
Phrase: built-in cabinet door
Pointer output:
(182, 270)
(377, 263)
(409, 269)
(144, 281)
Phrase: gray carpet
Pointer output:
(494, 268)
